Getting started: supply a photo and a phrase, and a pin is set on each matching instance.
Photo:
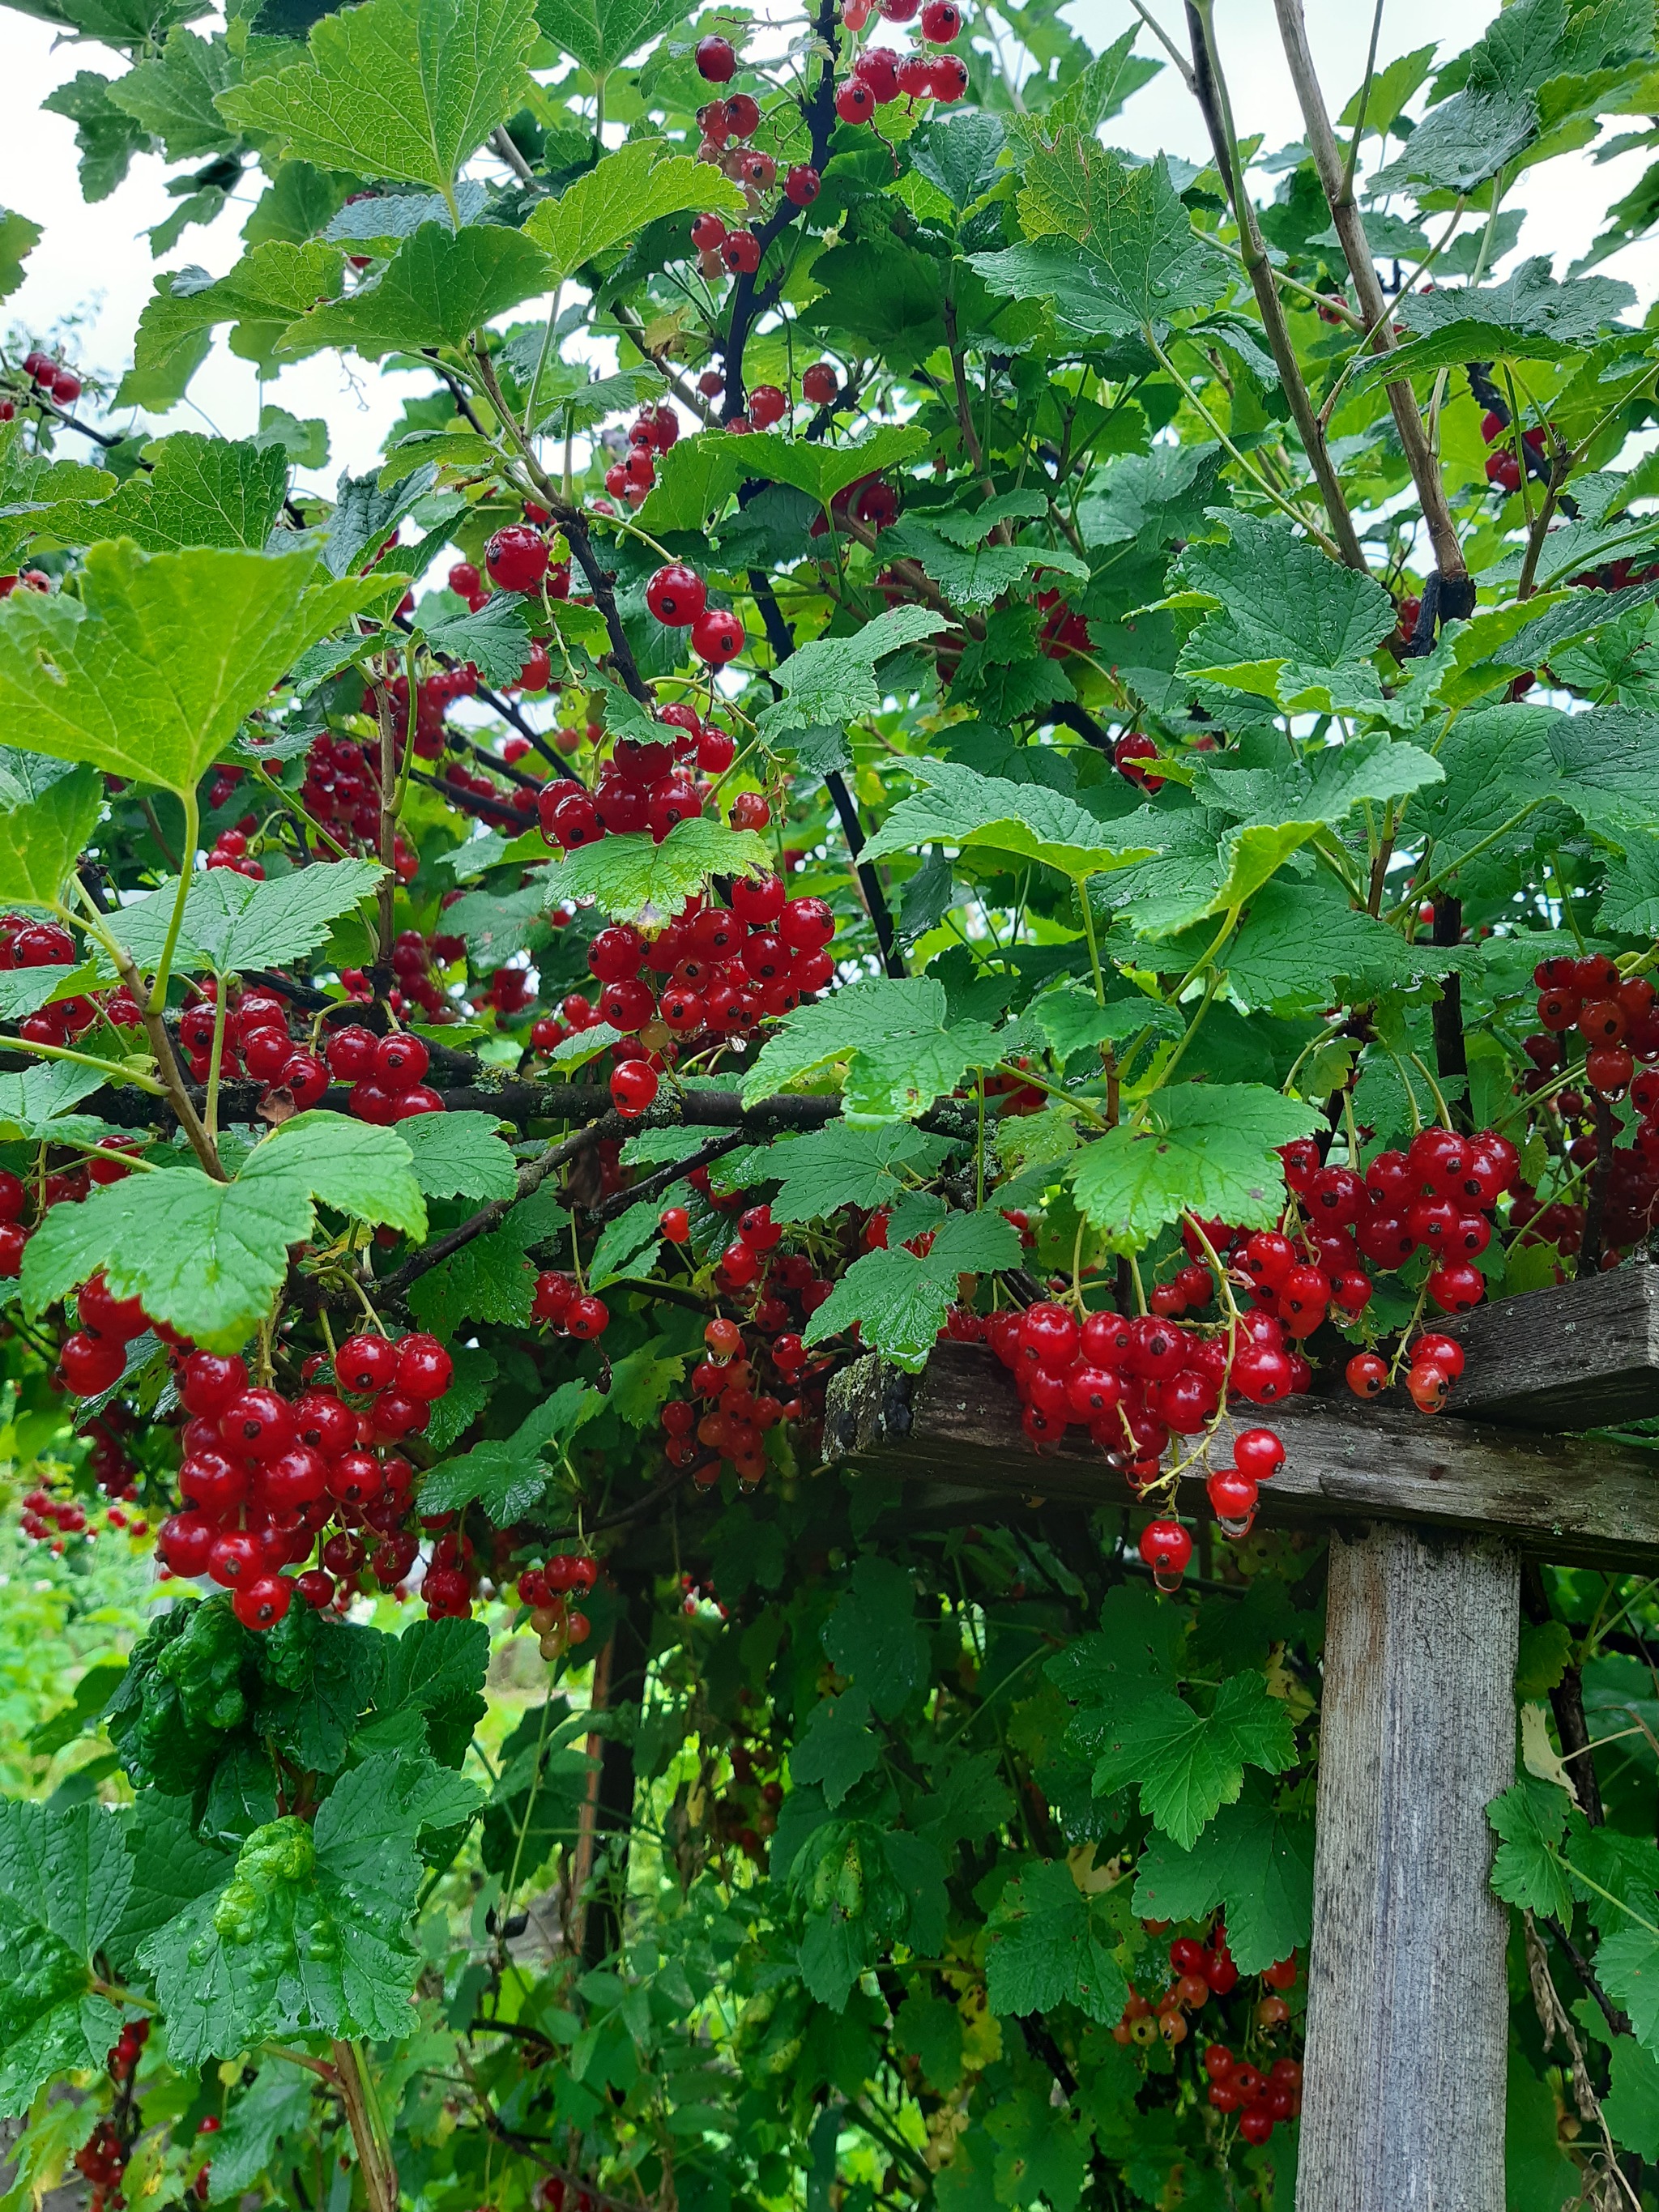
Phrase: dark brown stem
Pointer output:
(168, 1068)
(1450, 1052)
(531, 1178)
(1618, 2020)
(1566, 1704)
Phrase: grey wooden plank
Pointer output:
(955, 1427)
(1576, 1356)
(1407, 2003)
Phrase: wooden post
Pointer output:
(1407, 2030)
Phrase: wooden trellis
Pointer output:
(1429, 1519)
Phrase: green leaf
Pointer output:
(957, 153)
(233, 923)
(631, 878)
(198, 491)
(1460, 145)
(1632, 2108)
(976, 577)
(842, 1164)
(208, 1256)
(957, 806)
(1254, 1861)
(873, 1634)
(407, 90)
(35, 1102)
(1291, 624)
(697, 476)
(106, 135)
(41, 840)
(1189, 1764)
(151, 672)
(1206, 1148)
(267, 289)
(469, 1386)
(1046, 1945)
(381, 221)
(1136, 1651)
(1627, 1966)
(65, 1879)
(508, 1476)
(640, 183)
(837, 1747)
(899, 1053)
(437, 288)
(599, 33)
(898, 1302)
(495, 640)
(1528, 317)
(1037, 2162)
(1129, 220)
(172, 97)
(18, 238)
(832, 680)
(1298, 937)
(310, 1933)
(276, 2106)
(459, 1156)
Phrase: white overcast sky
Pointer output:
(97, 258)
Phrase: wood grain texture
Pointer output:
(1407, 2003)
(955, 1429)
(1577, 1356)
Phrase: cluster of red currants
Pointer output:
(545, 1591)
(263, 1476)
(560, 1304)
(51, 379)
(26, 943)
(1503, 468)
(342, 787)
(384, 1073)
(125, 2053)
(882, 74)
(1261, 2101)
(678, 599)
(1201, 1970)
(733, 1428)
(652, 431)
(714, 973)
(1435, 1364)
(101, 2161)
(46, 1519)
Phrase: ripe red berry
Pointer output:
(676, 1224)
(801, 187)
(767, 404)
(1232, 1494)
(350, 1052)
(261, 1603)
(90, 1364)
(1166, 1547)
(517, 558)
(463, 580)
(633, 1087)
(941, 20)
(708, 235)
(854, 101)
(950, 77)
(587, 1317)
(676, 595)
(717, 60)
(366, 1364)
(1366, 1374)
(424, 1368)
(717, 637)
(208, 1382)
(1429, 1387)
(401, 1060)
(741, 250)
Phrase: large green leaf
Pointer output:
(697, 476)
(65, 1878)
(208, 1256)
(1527, 316)
(1290, 623)
(508, 1475)
(1254, 1861)
(197, 491)
(599, 33)
(1190, 1764)
(41, 840)
(633, 879)
(270, 285)
(231, 923)
(957, 806)
(899, 1050)
(638, 183)
(406, 89)
(1047, 1944)
(151, 672)
(1204, 1148)
(1130, 221)
(173, 96)
(439, 287)
(897, 1302)
(310, 1933)
(831, 680)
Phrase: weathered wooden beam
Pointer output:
(1407, 2003)
(956, 1428)
(1580, 1355)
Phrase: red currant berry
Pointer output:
(633, 1087)
(517, 558)
(676, 595)
(717, 637)
(1166, 1547)
(424, 1368)
(676, 1224)
(717, 60)
(365, 1364)
(587, 1317)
